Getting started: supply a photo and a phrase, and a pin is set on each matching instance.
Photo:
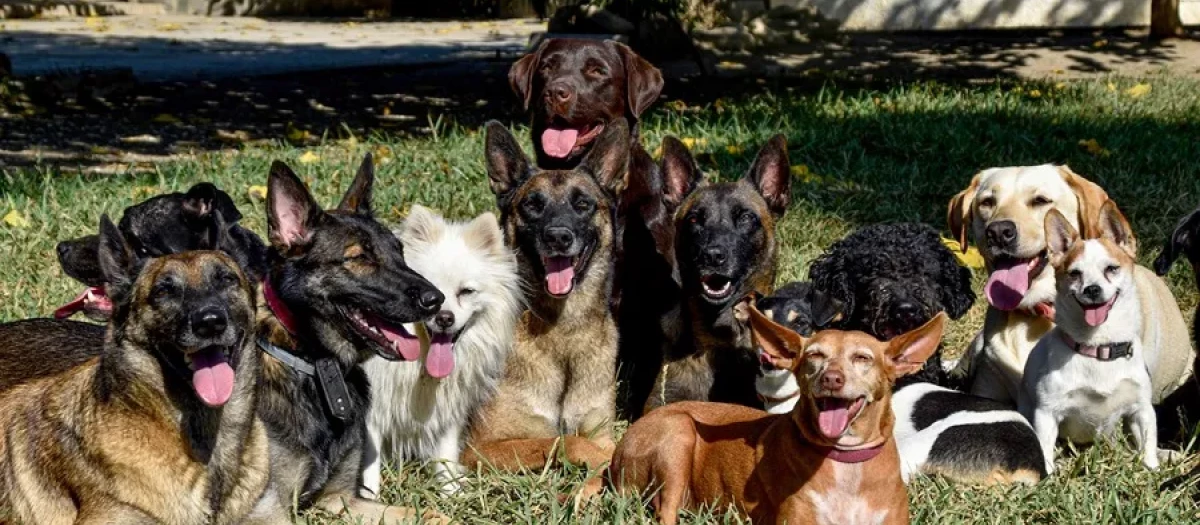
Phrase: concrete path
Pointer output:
(189, 47)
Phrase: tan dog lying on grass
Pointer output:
(832, 461)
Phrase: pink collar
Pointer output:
(854, 456)
(1108, 352)
(276, 306)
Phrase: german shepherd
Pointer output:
(560, 378)
(725, 248)
(159, 428)
(337, 292)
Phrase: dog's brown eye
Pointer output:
(466, 292)
(597, 71)
(533, 206)
(987, 202)
(1041, 201)
(582, 205)
(162, 290)
(1075, 274)
(1112, 270)
(693, 218)
(862, 359)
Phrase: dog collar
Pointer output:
(1108, 352)
(293, 361)
(854, 456)
(276, 306)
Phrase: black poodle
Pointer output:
(892, 278)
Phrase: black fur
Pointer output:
(892, 278)
(1179, 412)
(937, 406)
(799, 307)
(1007, 446)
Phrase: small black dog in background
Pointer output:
(893, 278)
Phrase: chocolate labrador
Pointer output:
(573, 90)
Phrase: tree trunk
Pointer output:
(1164, 19)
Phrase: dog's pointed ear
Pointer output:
(483, 234)
(1060, 235)
(780, 343)
(771, 175)
(521, 74)
(422, 224)
(909, 351)
(1181, 241)
(205, 198)
(291, 210)
(958, 213)
(1115, 227)
(357, 199)
(1091, 198)
(116, 258)
(608, 161)
(507, 165)
(825, 309)
(643, 81)
(681, 176)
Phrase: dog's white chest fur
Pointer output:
(844, 503)
(1092, 397)
(778, 389)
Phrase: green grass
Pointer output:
(868, 156)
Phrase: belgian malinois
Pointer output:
(337, 292)
(725, 248)
(161, 426)
(560, 378)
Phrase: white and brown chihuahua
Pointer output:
(1089, 374)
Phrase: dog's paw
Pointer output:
(1170, 456)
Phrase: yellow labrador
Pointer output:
(1005, 209)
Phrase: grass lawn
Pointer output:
(859, 157)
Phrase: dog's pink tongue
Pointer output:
(93, 298)
(403, 342)
(558, 143)
(212, 377)
(834, 417)
(440, 360)
(560, 275)
(1008, 284)
(1097, 315)
(69, 309)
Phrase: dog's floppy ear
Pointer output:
(1091, 198)
(520, 75)
(958, 213)
(771, 175)
(957, 294)
(357, 199)
(116, 258)
(1115, 227)
(643, 81)
(608, 161)
(507, 165)
(826, 310)
(422, 224)
(909, 351)
(1060, 235)
(1181, 241)
(291, 210)
(680, 174)
(830, 279)
(205, 198)
(483, 234)
(778, 342)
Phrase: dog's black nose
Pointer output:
(558, 238)
(209, 321)
(1092, 292)
(63, 249)
(444, 319)
(714, 256)
(429, 301)
(1001, 234)
(907, 311)
(559, 92)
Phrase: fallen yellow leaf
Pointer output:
(170, 26)
(257, 193)
(1034, 93)
(971, 258)
(1100, 43)
(1138, 91)
(1112, 87)
(93, 21)
(729, 64)
(165, 118)
(1093, 146)
(15, 220)
(693, 142)
(308, 157)
(381, 155)
(734, 150)
(1060, 86)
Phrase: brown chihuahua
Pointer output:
(832, 461)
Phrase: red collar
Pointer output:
(854, 456)
(276, 306)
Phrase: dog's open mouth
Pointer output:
(212, 375)
(439, 362)
(1011, 279)
(560, 141)
(93, 299)
(835, 414)
(1097, 314)
(716, 287)
(399, 342)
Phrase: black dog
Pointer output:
(800, 308)
(200, 219)
(339, 291)
(892, 278)
(1181, 409)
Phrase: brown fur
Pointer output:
(102, 442)
(774, 469)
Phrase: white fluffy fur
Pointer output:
(414, 416)
(779, 384)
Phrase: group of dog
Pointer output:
(238, 381)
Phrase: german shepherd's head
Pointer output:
(341, 273)
(561, 222)
(725, 233)
(193, 311)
